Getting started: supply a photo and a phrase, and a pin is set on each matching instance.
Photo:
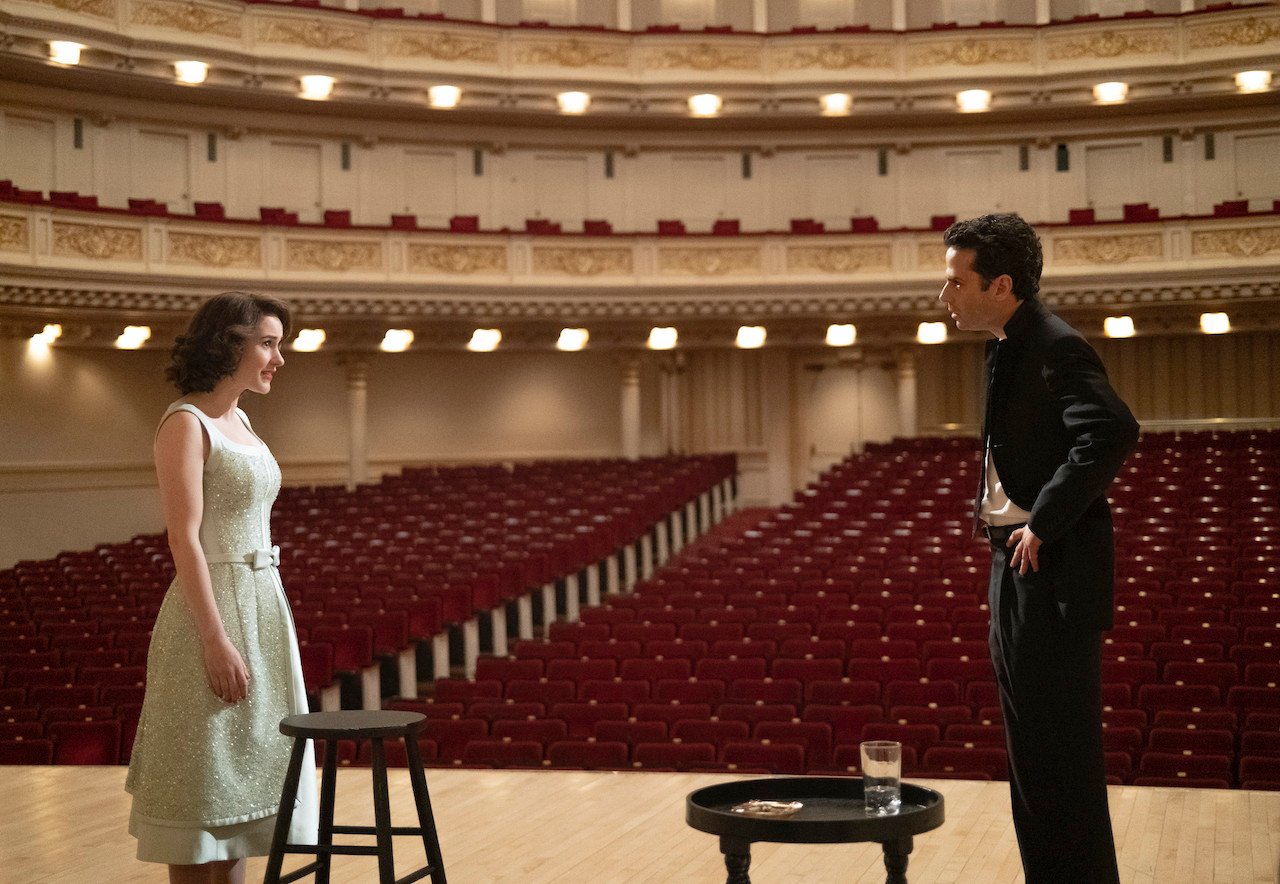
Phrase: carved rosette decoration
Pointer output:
(838, 259)
(312, 35)
(709, 262)
(1250, 32)
(968, 53)
(836, 57)
(187, 17)
(97, 242)
(444, 46)
(15, 235)
(704, 57)
(582, 262)
(1240, 242)
(457, 259)
(1109, 249)
(332, 256)
(215, 251)
(96, 8)
(572, 53)
(1110, 44)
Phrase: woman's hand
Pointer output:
(228, 676)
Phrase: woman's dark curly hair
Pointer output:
(1002, 244)
(215, 339)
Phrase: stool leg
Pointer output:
(426, 820)
(382, 815)
(284, 816)
(328, 786)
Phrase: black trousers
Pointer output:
(1050, 677)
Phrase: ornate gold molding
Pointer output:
(932, 255)
(836, 56)
(1238, 242)
(189, 17)
(709, 262)
(839, 259)
(444, 46)
(704, 57)
(1116, 249)
(572, 53)
(332, 255)
(457, 259)
(1110, 44)
(312, 35)
(97, 241)
(15, 234)
(215, 251)
(1250, 32)
(96, 8)
(582, 262)
(970, 52)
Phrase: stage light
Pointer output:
(972, 101)
(396, 340)
(663, 337)
(133, 337)
(65, 51)
(751, 337)
(572, 339)
(1118, 326)
(705, 105)
(484, 340)
(841, 335)
(1253, 81)
(444, 97)
(837, 104)
(191, 72)
(1215, 323)
(1110, 93)
(573, 102)
(309, 340)
(316, 87)
(41, 342)
(931, 332)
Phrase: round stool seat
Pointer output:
(352, 724)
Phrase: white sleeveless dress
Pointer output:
(206, 775)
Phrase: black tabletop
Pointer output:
(352, 724)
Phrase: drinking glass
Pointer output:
(882, 776)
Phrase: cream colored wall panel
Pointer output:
(696, 192)
(559, 188)
(39, 525)
(1115, 174)
(292, 177)
(74, 166)
(161, 168)
(1257, 171)
(430, 186)
(835, 185)
(973, 181)
(29, 151)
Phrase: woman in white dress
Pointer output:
(223, 667)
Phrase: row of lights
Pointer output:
(318, 87)
(1122, 326)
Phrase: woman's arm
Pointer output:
(180, 453)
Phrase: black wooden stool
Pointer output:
(374, 726)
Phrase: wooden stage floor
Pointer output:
(68, 825)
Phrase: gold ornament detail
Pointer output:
(932, 256)
(96, 8)
(1250, 32)
(837, 57)
(705, 57)
(312, 35)
(1110, 44)
(1108, 249)
(971, 52)
(14, 234)
(458, 259)
(838, 259)
(1240, 242)
(215, 251)
(444, 46)
(582, 262)
(709, 262)
(97, 242)
(188, 17)
(572, 53)
(332, 256)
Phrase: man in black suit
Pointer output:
(1054, 436)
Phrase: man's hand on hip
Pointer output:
(1027, 551)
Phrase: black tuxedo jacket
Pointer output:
(1058, 435)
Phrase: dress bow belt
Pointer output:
(257, 559)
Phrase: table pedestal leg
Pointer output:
(737, 860)
(895, 860)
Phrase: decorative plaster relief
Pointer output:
(443, 46)
(839, 259)
(312, 34)
(15, 234)
(932, 256)
(704, 57)
(188, 17)
(215, 251)
(582, 262)
(1250, 32)
(96, 8)
(709, 262)
(1239, 242)
(457, 259)
(97, 242)
(1109, 249)
(332, 255)
(836, 56)
(572, 53)
(970, 52)
(1110, 44)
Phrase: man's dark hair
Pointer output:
(1002, 244)
(215, 339)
